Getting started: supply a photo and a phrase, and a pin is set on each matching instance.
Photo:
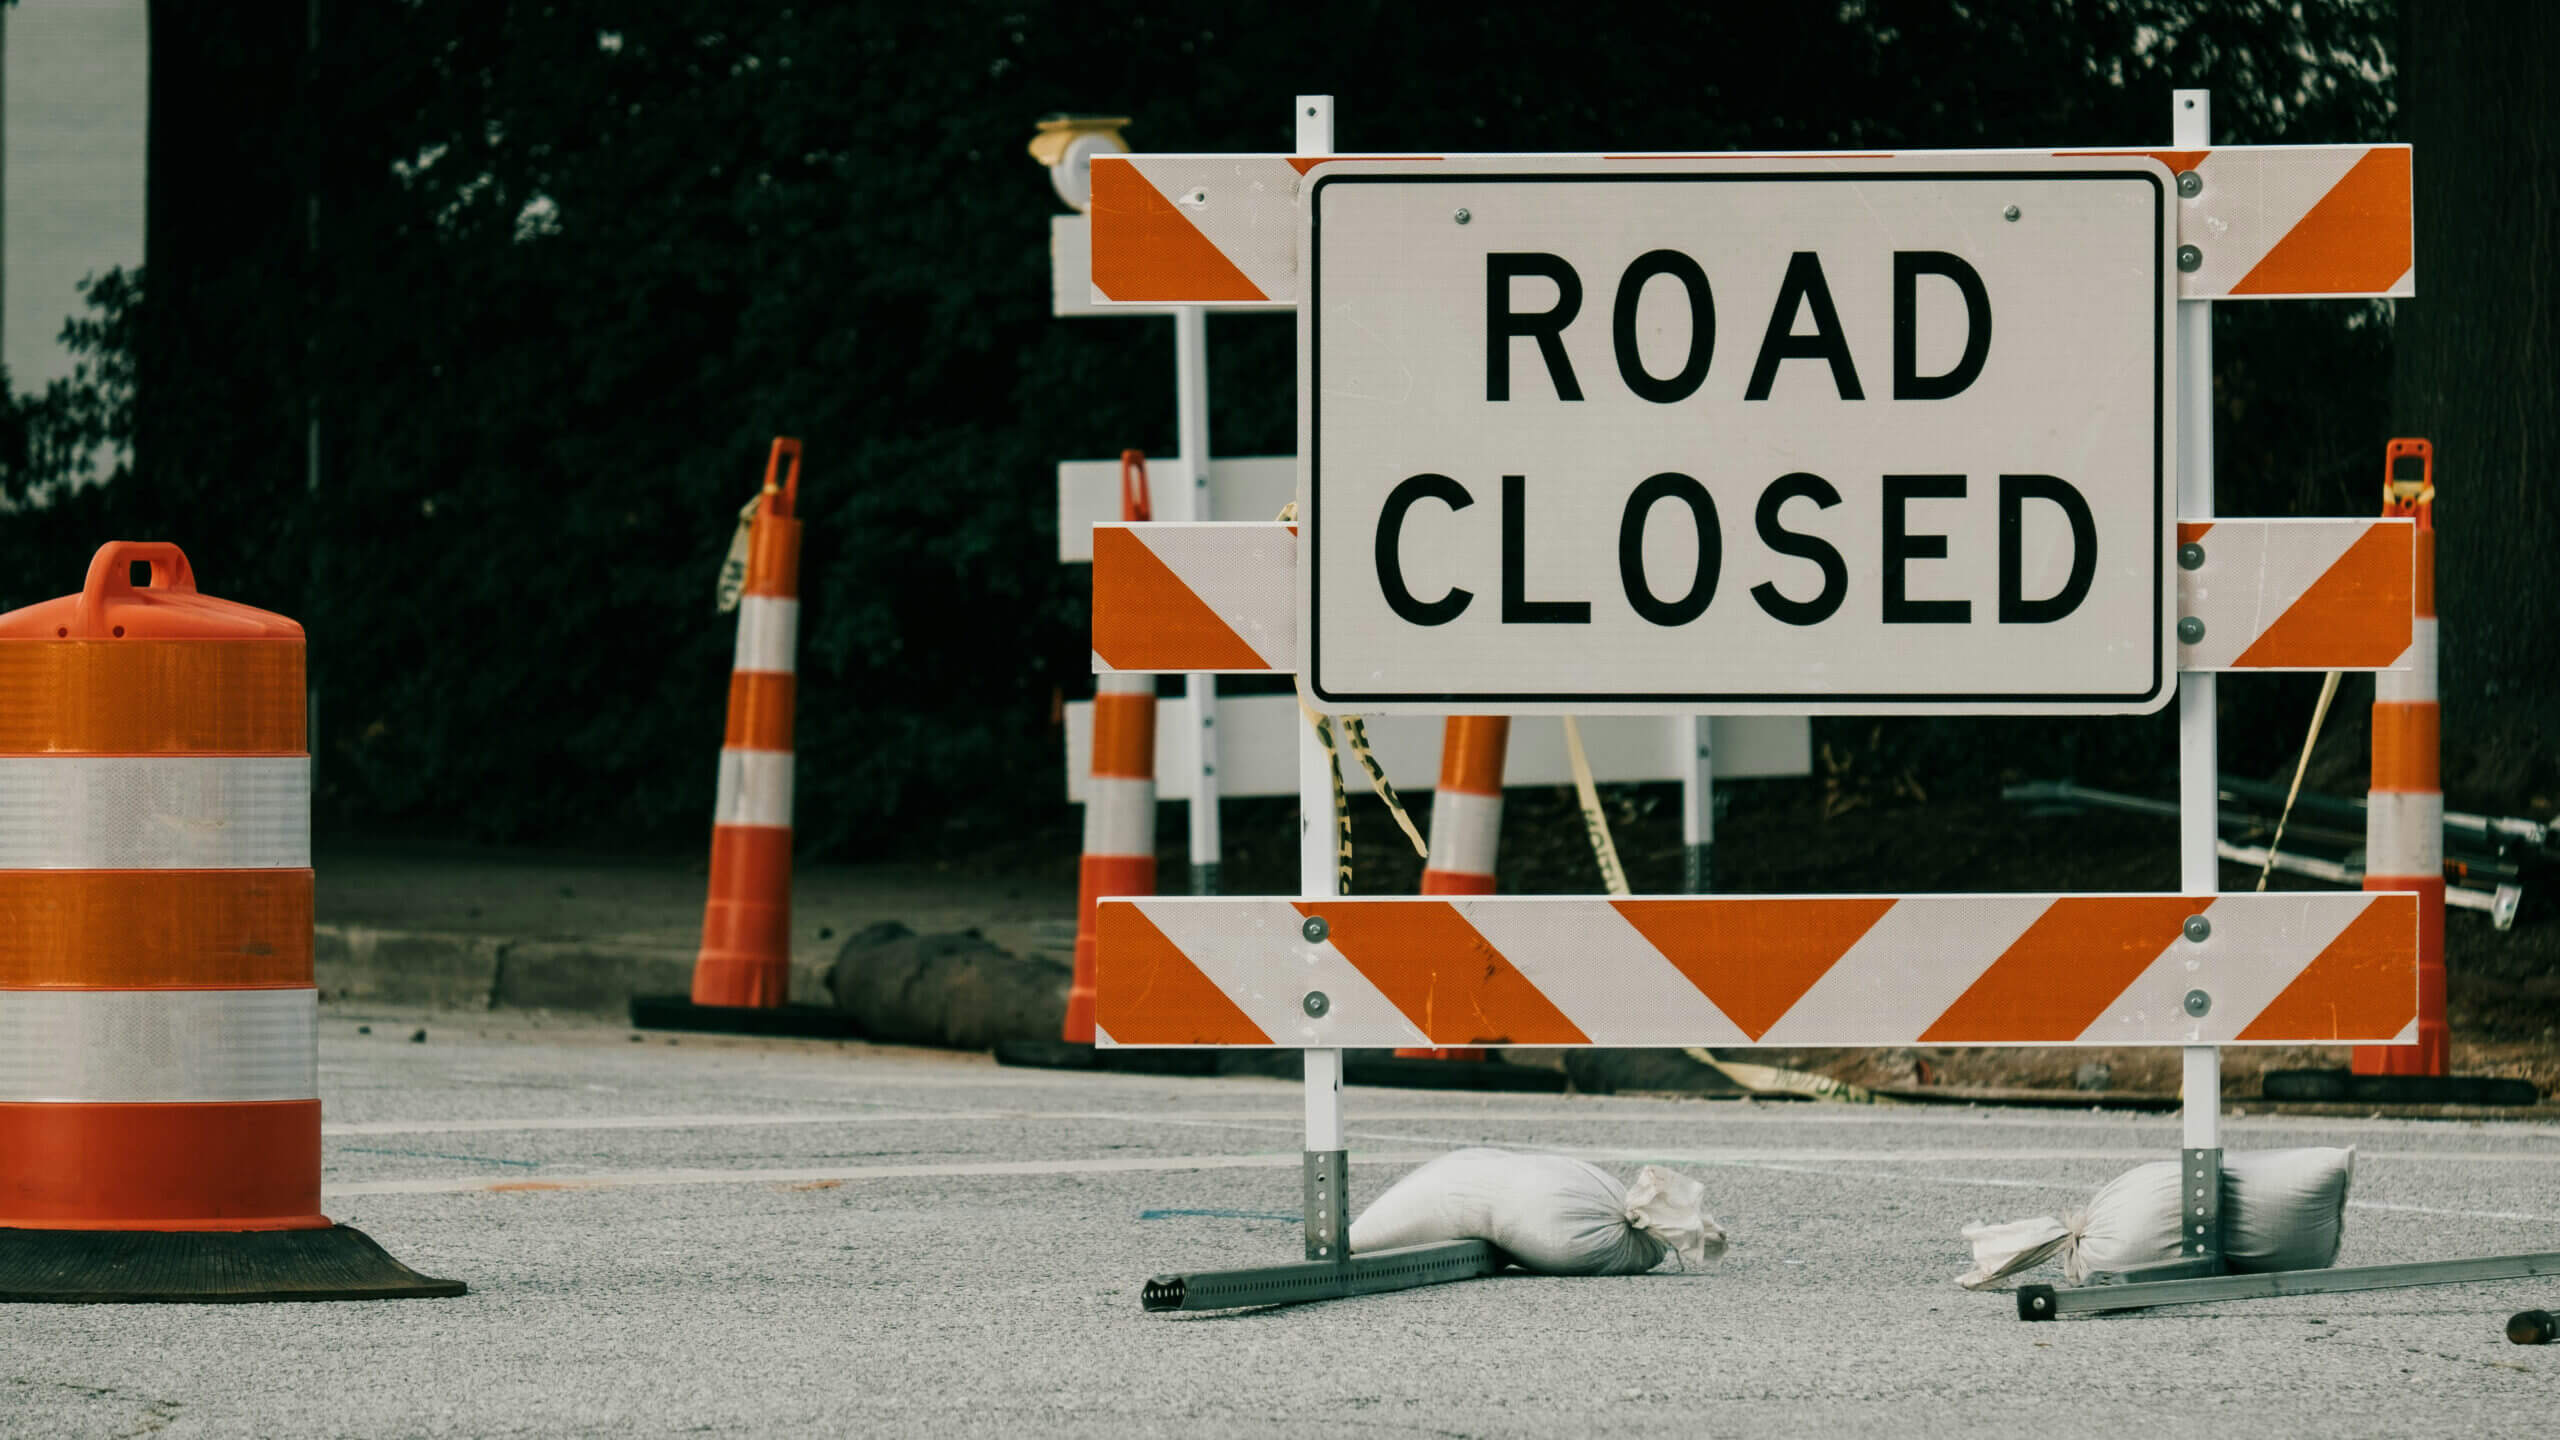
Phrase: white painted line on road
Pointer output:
(632, 1179)
(615, 1122)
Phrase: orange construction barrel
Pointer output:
(159, 1090)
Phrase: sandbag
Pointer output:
(1550, 1213)
(2281, 1210)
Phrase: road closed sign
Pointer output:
(1808, 435)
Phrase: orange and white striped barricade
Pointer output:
(2267, 221)
(742, 974)
(2404, 812)
(159, 1090)
(2196, 969)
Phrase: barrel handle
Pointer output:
(111, 575)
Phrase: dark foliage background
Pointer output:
(548, 277)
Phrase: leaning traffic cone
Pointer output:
(159, 1090)
(1119, 793)
(1466, 827)
(746, 921)
(2404, 811)
(742, 975)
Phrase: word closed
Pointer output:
(1871, 436)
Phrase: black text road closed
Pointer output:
(1808, 436)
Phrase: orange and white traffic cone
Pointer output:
(1119, 792)
(2404, 815)
(745, 959)
(1466, 826)
(159, 1068)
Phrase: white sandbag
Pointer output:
(2281, 1210)
(1550, 1213)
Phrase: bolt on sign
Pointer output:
(1777, 435)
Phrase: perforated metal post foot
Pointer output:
(2045, 1302)
(1328, 1205)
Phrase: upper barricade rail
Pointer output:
(2254, 222)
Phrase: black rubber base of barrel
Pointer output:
(2348, 1087)
(678, 1012)
(202, 1267)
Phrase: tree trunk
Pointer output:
(2477, 371)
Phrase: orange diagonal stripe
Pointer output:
(1145, 618)
(1446, 978)
(2061, 975)
(2363, 987)
(1754, 958)
(2356, 240)
(2354, 617)
(1147, 992)
(1145, 249)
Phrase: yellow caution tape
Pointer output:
(1358, 734)
(2320, 712)
(1595, 823)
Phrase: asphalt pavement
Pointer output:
(706, 1236)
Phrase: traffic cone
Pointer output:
(2404, 811)
(746, 921)
(1466, 827)
(159, 1067)
(742, 974)
(1119, 794)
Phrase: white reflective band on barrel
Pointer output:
(755, 788)
(2418, 681)
(2404, 834)
(1118, 684)
(768, 633)
(1466, 832)
(174, 812)
(147, 1046)
(1119, 816)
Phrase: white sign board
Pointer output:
(1833, 435)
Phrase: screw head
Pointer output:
(2190, 630)
(2198, 1003)
(2191, 556)
(2009, 214)
(1462, 217)
(1315, 1004)
(2197, 929)
(2190, 259)
(1315, 929)
(2190, 184)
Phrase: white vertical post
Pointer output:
(1695, 757)
(1190, 501)
(1317, 846)
(2199, 803)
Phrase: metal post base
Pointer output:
(1698, 870)
(2044, 1302)
(1204, 878)
(1328, 1205)
(1371, 1274)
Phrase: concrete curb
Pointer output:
(449, 971)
